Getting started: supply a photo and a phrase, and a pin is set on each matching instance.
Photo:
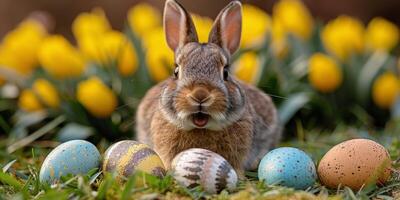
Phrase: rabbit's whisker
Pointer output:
(124, 105)
(276, 96)
(131, 124)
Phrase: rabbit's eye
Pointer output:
(226, 73)
(176, 71)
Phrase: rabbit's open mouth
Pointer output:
(200, 119)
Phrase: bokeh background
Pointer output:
(326, 64)
(64, 11)
(77, 69)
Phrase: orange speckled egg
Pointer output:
(354, 163)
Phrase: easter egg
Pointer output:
(73, 157)
(288, 167)
(127, 157)
(354, 163)
(201, 167)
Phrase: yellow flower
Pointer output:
(43, 93)
(46, 92)
(248, 68)
(294, 18)
(381, 34)
(324, 73)
(91, 24)
(112, 47)
(115, 46)
(19, 48)
(127, 60)
(90, 47)
(88, 28)
(60, 59)
(279, 44)
(96, 97)
(159, 57)
(143, 18)
(203, 26)
(343, 36)
(385, 89)
(255, 26)
(28, 101)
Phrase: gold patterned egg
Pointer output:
(127, 157)
(201, 167)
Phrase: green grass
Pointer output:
(19, 176)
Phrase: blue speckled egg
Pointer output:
(288, 167)
(73, 157)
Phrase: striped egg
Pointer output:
(201, 167)
(127, 157)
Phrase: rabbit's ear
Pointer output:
(227, 27)
(178, 25)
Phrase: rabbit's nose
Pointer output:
(200, 95)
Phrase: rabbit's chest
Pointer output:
(233, 143)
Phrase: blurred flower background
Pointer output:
(323, 70)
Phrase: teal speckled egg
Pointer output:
(73, 157)
(288, 167)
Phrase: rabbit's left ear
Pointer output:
(227, 28)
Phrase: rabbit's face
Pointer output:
(202, 94)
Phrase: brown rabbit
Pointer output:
(203, 105)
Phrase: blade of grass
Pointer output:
(251, 174)
(94, 177)
(104, 186)
(350, 193)
(4, 125)
(11, 181)
(27, 184)
(54, 195)
(37, 134)
(368, 73)
(8, 165)
(128, 188)
(293, 104)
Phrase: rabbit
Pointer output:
(203, 105)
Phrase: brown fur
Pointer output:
(243, 122)
(243, 143)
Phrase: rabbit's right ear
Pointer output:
(227, 28)
(178, 25)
